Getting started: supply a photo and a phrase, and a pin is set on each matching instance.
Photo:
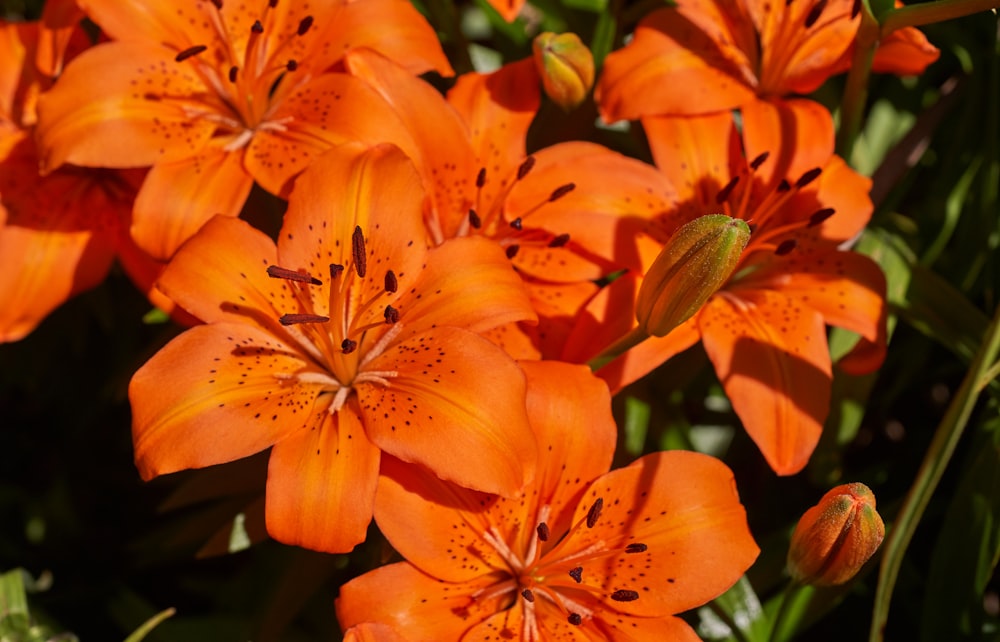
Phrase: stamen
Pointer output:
(511, 250)
(784, 186)
(624, 595)
(516, 224)
(814, 13)
(257, 27)
(218, 4)
(347, 346)
(528, 595)
(481, 178)
(358, 246)
(808, 177)
(292, 319)
(276, 272)
(336, 269)
(724, 193)
(543, 531)
(291, 65)
(821, 215)
(757, 162)
(391, 284)
(474, 219)
(232, 73)
(855, 9)
(561, 191)
(391, 314)
(575, 619)
(494, 539)
(594, 512)
(272, 3)
(636, 548)
(559, 241)
(577, 574)
(525, 167)
(785, 247)
(304, 25)
(189, 52)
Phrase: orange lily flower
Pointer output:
(729, 52)
(765, 330)
(217, 94)
(381, 353)
(564, 215)
(60, 233)
(583, 553)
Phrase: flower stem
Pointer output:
(925, 13)
(633, 338)
(788, 596)
(852, 105)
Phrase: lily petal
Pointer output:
(905, 52)
(771, 355)
(796, 133)
(321, 484)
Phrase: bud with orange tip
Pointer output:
(836, 537)
(566, 67)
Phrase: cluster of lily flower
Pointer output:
(434, 336)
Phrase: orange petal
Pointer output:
(176, 199)
(212, 395)
(321, 484)
(59, 21)
(771, 355)
(404, 598)
(700, 46)
(797, 134)
(452, 387)
(557, 305)
(843, 189)
(108, 109)
(372, 632)
(684, 507)
(905, 52)
(508, 9)
(148, 21)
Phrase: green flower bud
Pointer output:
(566, 67)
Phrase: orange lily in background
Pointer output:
(726, 53)
(349, 338)
(765, 330)
(583, 553)
(214, 95)
(564, 215)
(59, 234)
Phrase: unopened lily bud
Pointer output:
(836, 537)
(566, 67)
(690, 268)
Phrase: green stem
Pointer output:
(636, 336)
(729, 621)
(927, 13)
(852, 105)
(787, 598)
(939, 453)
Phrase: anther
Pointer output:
(785, 247)
(559, 241)
(543, 531)
(481, 177)
(272, 3)
(855, 9)
(391, 314)
(636, 548)
(347, 346)
(784, 186)
(724, 193)
(528, 595)
(276, 272)
(516, 224)
(808, 177)
(218, 4)
(575, 619)
(292, 319)
(821, 215)
(561, 191)
(358, 247)
(594, 512)
(525, 167)
(291, 65)
(624, 595)
(474, 219)
(757, 162)
(189, 52)
(511, 250)
(304, 25)
(576, 574)
(232, 73)
(336, 269)
(814, 13)
(391, 284)
(257, 27)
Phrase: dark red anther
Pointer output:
(624, 595)
(391, 284)
(724, 193)
(855, 9)
(543, 531)
(636, 548)
(391, 314)
(559, 241)
(525, 167)
(528, 595)
(814, 13)
(358, 247)
(217, 3)
(575, 619)
(757, 162)
(292, 319)
(808, 177)
(232, 73)
(576, 574)
(821, 215)
(272, 3)
(189, 52)
(516, 224)
(474, 219)
(481, 178)
(336, 269)
(511, 250)
(561, 191)
(304, 25)
(594, 512)
(347, 346)
(784, 186)
(276, 272)
(291, 65)
(257, 27)
(785, 247)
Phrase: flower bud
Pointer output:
(690, 268)
(566, 67)
(836, 537)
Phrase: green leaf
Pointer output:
(738, 608)
(636, 425)
(149, 625)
